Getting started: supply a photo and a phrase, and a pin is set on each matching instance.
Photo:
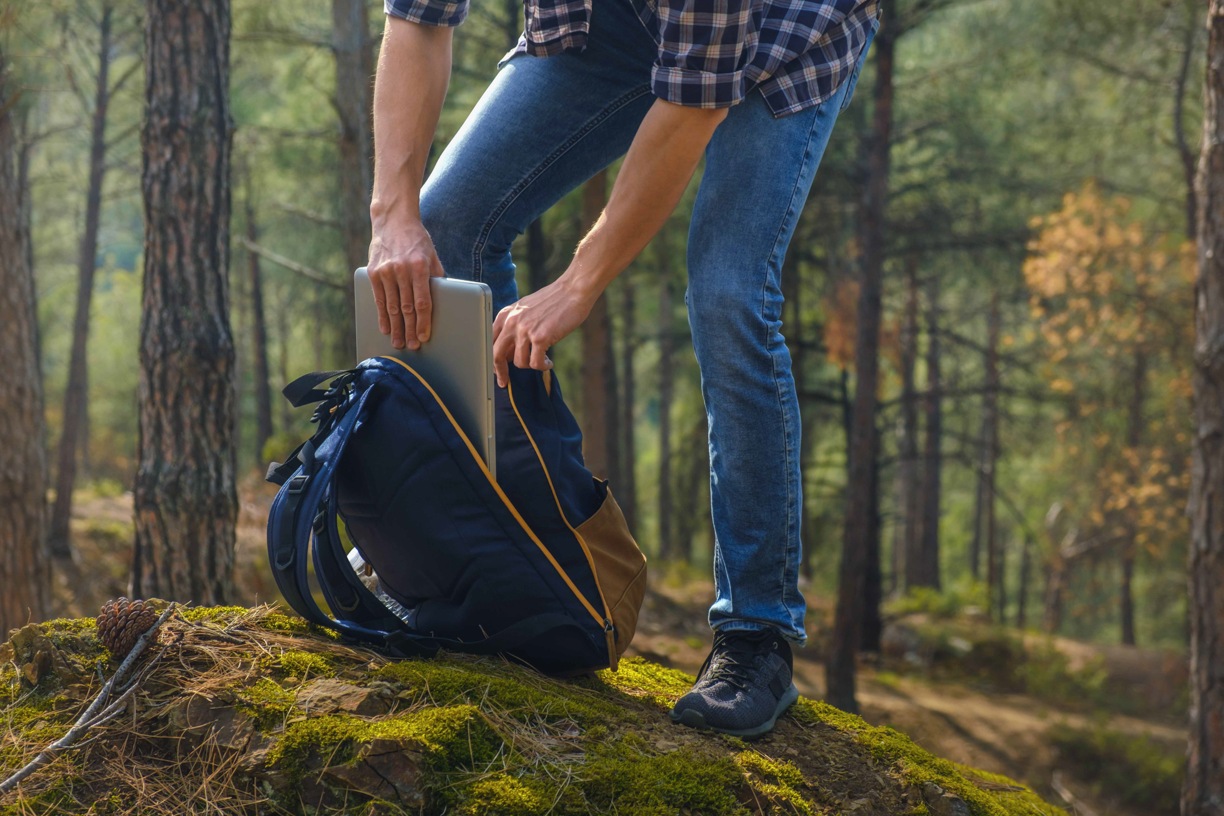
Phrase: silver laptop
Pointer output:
(457, 362)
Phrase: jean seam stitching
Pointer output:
(549, 161)
(807, 154)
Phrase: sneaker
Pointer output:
(743, 687)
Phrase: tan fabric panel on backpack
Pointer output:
(620, 567)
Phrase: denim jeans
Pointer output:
(545, 126)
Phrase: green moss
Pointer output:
(303, 665)
(778, 782)
(71, 625)
(510, 690)
(647, 681)
(453, 738)
(277, 622)
(266, 702)
(213, 614)
(504, 795)
(623, 778)
(918, 766)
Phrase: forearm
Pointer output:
(413, 73)
(660, 163)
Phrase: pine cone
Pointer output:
(121, 623)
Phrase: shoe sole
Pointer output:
(695, 719)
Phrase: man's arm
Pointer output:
(413, 73)
(661, 161)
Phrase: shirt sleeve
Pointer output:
(705, 47)
(428, 12)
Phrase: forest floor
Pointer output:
(1061, 731)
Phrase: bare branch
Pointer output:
(291, 265)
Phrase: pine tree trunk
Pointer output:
(873, 595)
(628, 490)
(185, 499)
(351, 45)
(1026, 568)
(986, 478)
(25, 572)
(924, 569)
(537, 256)
(905, 540)
(282, 347)
(76, 394)
(852, 580)
(598, 363)
(1203, 793)
(259, 332)
(666, 389)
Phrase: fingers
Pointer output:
(389, 321)
(503, 349)
(539, 357)
(423, 300)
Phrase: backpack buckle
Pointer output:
(297, 484)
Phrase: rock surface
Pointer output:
(256, 712)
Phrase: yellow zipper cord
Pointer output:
(607, 622)
(602, 621)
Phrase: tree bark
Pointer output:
(259, 331)
(1026, 568)
(185, 498)
(1203, 791)
(840, 669)
(924, 569)
(351, 45)
(628, 490)
(666, 389)
(76, 394)
(537, 256)
(25, 571)
(909, 508)
(599, 405)
(691, 479)
(986, 478)
(873, 594)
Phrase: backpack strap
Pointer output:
(301, 392)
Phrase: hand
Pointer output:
(524, 331)
(402, 260)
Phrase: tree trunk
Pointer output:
(909, 508)
(259, 333)
(793, 291)
(696, 473)
(283, 329)
(873, 594)
(1026, 567)
(986, 478)
(351, 45)
(185, 499)
(599, 406)
(537, 256)
(628, 491)
(1203, 792)
(852, 581)
(76, 394)
(1056, 582)
(666, 389)
(924, 569)
(25, 571)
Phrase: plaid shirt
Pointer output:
(711, 52)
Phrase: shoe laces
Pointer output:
(733, 658)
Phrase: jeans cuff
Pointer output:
(793, 638)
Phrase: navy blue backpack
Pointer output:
(538, 565)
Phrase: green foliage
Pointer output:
(1131, 768)
(937, 604)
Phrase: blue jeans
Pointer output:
(545, 126)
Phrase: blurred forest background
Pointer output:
(1035, 257)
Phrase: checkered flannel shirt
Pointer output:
(711, 52)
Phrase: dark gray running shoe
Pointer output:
(743, 687)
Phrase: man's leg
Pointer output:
(757, 176)
(542, 128)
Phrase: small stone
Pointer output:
(330, 695)
(665, 745)
(792, 751)
(941, 803)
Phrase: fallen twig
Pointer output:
(92, 715)
(1062, 790)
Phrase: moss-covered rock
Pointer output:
(260, 712)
